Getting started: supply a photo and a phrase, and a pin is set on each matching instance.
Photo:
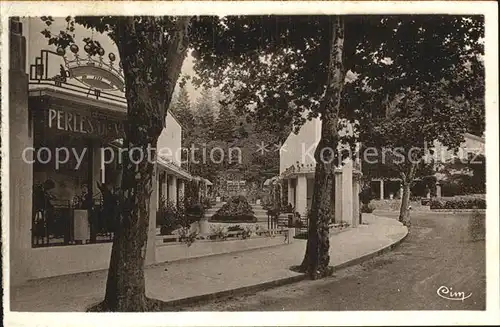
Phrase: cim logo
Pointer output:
(447, 293)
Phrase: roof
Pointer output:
(475, 137)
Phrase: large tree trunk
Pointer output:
(316, 260)
(151, 64)
(404, 211)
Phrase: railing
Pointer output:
(56, 225)
(299, 168)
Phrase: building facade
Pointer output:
(297, 169)
(67, 113)
(391, 187)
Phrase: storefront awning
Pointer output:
(173, 168)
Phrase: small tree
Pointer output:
(405, 134)
(182, 111)
(225, 126)
(204, 116)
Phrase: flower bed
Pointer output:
(459, 202)
(223, 234)
(237, 209)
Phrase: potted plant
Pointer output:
(82, 204)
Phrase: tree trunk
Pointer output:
(404, 211)
(150, 81)
(317, 258)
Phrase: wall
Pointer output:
(172, 252)
(20, 172)
(63, 260)
(300, 147)
(169, 142)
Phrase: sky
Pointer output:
(187, 69)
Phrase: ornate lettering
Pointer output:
(84, 124)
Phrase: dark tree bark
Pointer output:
(407, 180)
(316, 260)
(147, 102)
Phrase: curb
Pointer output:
(275, 283)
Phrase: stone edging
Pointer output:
(274, 283)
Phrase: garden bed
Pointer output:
(219, 232)
(236, 210)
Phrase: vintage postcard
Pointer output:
(249, 163)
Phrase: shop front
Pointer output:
(67, 112)
(75, 164)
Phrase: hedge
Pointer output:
(458, 202)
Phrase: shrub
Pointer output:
(170, 217)
(235, 228)
(425, 202)
(195, 212)
(187, 235)
(247, 232)
(298, 224)
(207, 203)
(366, 195)
(367, 208)
(236, 209)
(459, 202)
(218, 232)
(288, 208)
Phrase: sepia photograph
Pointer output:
(238, 163)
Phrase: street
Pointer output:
(444, 252)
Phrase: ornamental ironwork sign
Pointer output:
(95, 77)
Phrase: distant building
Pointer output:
(387, 187)
(297, 170)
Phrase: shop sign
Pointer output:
(84, 124)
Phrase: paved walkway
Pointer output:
(182, 279)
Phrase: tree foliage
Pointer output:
(225, 125)
(205, 115)
(184, 113)
(407, 77)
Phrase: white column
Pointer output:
(290, 192)
(164, 186)
(381, 189)
(347, 205)
(301, 195)
(153, 207)
(181, 188)
(400, 189)
(438, 190)
(172, 189)
(338, 195)
(355, 198)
